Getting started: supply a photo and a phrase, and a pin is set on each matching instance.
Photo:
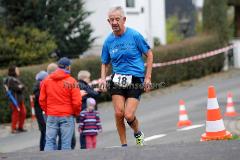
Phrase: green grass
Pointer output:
(235, 137)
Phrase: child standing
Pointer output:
(90, 124)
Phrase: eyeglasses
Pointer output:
(117, 19)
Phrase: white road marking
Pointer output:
(114, 147)
(154, 137)
(145, 139)
(163, 135)
(191, 127)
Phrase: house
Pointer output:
(146, 16)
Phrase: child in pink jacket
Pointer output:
(90, 124)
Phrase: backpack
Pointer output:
(5, 83)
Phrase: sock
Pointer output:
(131, 122)
(139, 133)
(124, 145)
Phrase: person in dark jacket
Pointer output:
(84, 78)
(38, 110)
(83, 82)
(17, 88)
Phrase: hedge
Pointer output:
(169, 74)
(180, 72)
(28, 78)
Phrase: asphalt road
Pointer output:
(158, 115)
(183, 151)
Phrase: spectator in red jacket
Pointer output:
(60, 98)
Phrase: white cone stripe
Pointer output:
(33, 111)
(191, 127)
(182, 108)
(229, 100)
(183, 117)
(230, 109)
(212, 103)
(215, 126)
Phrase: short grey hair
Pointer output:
(117, 8)
(83, 74)
(52, 67)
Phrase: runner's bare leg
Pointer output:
(119, 105)
(130, 110)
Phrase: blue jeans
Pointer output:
(73, 141)
(65, 125)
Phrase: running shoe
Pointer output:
(140, 139)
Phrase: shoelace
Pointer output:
(139, 140)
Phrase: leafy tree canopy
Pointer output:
(64, 19)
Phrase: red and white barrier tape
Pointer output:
(180, 61)
(193, 58)
(95, 82)
(32, 107)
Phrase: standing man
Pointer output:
(124, 48)
(61, 100)
(52, 67)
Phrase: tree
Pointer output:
(65, 20)
(24, 46)
(173, 33)
(215, 18)
(236, 5)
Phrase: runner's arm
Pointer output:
(104, 71)
(148, 76)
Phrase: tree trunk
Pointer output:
(237, 21)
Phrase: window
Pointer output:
(130, 3)
(132, 7)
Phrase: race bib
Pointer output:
(122, 80)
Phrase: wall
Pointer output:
(148, 17)
(158, 20)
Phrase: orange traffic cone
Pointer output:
(32, 107)
(215, 129)
(230, 111)
(183, 117)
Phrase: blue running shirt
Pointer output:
(125, 53)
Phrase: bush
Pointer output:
(173, 30)
(24, 46)
(169, 74)
(28, 78)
